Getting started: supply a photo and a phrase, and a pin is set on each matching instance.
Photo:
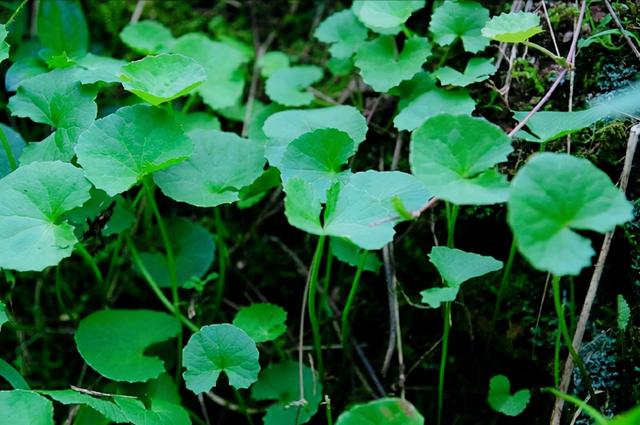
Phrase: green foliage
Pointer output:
(62, 28)
(285, 85)
(262, 321)
(501, 400)
(147, 37)
(271, 62)
(624, 313)
(383, 16)
(16, 145)
(4, 316)
(390, 411)
(350, 253)
(344, 32)
(462, 20)
(4, 46)
(514, 27)
(477, 70)
(433, 102)
(20, 407)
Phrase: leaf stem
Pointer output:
(504, 284)
(223, 256)
(91, 262)
(15, 13)
(313, 316)
(557, 59)
(351, 298)
(451, 224)
(590, 410)
(7, 150)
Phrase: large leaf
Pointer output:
(113, 342)
(514, 27)
(119, 150)
(33, 199)
(501, 400)
(382, 67)
(554, 195)
(104, 406)
(477, 70)
(344, 32)
(147, 37)
(16, 146)
(454, 156)
(20, 407)
(193, 249)
(387, 411)
(433, 102)
(286, 86)
(457, 266)
(283, 127)
(162, 78)
(62, 27)
(462, 20)
(219, 167)
(220, 348)
(261, 321)
(383, 16)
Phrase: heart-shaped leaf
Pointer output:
(554, 195)
(221, 164)
(20, 407)
(15, 144)
(463, 20)
(147, 37)
(382, 67)
(284, 127)
(477, 70)
(220, 348)
(344, 32)
(514, 27)
(388, 411)
(119, 150)
(162, 78)
(454, 154)
(33, 199)
(457, 266)
(383, 16)
(285, 85)
(433, 102)
(501, 400)
(113, 342)
(262, 321)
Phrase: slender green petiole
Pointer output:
(558, 59)
(504, 284)
(91, 262)
(313, 316)
(352, 297)
(223, 257)
(7, 150)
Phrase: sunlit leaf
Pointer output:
(457, 266)
(147, 37)
(4, 46)
(271, 62)
(433, 297)
(383, 16)
(463, 20)
(514, 27)
(20, 407)
(261, 321)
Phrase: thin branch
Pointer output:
(137, 13)
(614, 15)
(553, 35)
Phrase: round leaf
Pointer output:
(433, 102)
(457, 266)
(514, 27)
(262, 321)
(344, 32)
(462, 20)
(220, 348)
(20, 407)
(285, 85)
(33, 199)
(119, 150)
(552, 196)
(387, 411)
(501, 400)
(113, 342)
(147, 37)
(383, 16)
(454, 154)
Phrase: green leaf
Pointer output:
(62, 27)
(160, 413)
(271, 62)
(624, 313)
(10, 374)
(252, 194)
(387, 411)
(220, 348)
(344, 32)
(438, 295)
(350, 253)
(318, 157)
(383, 16)
(33, 199)
(122, 219)
(4, 316)
(462, 20)
(283, 127)
(434, 102)
(22, 70)
(20, 407)
(501, 400)
(193, 249)
(411, 89)
(552, 196)
(261, 321)
(113, 342)
(58, 146)
(4, 46)
(456, 266)
(197, 121)
(104, 406)
(630, 417)
(286, 85)
(162, 78)
(514, 27)
(454, 156)
(477, 70)
(16, 146)
(221, 164)
(382, 67)
(280, 382)
(222, 63)
(119, 150)
(147, 37)
(92, 68)
(302, 206)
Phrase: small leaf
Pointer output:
(33, 199)
(4, 316)
(438, 295)
(434, 102)
(350, 253)
(219, 167)
(220, 348)
(271, 62)
(20, 407)
(285, 85)
(62, 27)
(552, 196)
(514, 27)
(454, 156)
(16, 146)
(501, 400)
(387, 411)
(456, 266)
(162, 78)
(624, 313)
(382, 67)
(383, 16)
(119, 150)
(261, 321)
(10, 374)
(4, 46)
(112, 342)
(462, 20)
(344, 32)
(477, 70)
(147, 37)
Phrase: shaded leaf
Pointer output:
(4, 46)
(344, 32)
(501, 400)
(261, 321)
(147, 37)
(93, 68)
(624, 313)
(16, 146)
(477, 70)
(349, 253)
(271, 62)
(62, 27)
(286, 86)
(438, 295)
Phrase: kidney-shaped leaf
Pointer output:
(220, 348)
(147, 37)
(454, 154)
(463, 20)
(344, 32)
(433, 102)
(384, 16)
(286, 85)
(514, 27)
(20, 407)
(501, 400)
(33, 199)
(162, 78)
(261, 321)
(552, 196)
(478, 69)
(119, 150)
(219, 167)
(387, 411)
(113, 342)
(382, 67)
(457, 266)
